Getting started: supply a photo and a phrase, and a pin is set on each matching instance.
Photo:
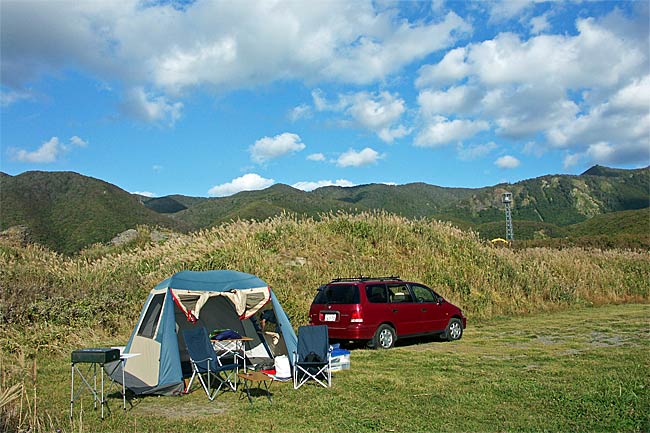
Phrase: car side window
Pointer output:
(423, 294)
(376, 293)
(399, 293)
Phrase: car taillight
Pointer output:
(356, 317)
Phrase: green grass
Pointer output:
(583, 369)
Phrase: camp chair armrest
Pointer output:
(225, 367)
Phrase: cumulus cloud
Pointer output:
(302, 111)
(78, 141)
(312, 185)
(352, 158)
(268, 148)
(577, 91)
(231, 45)
(148, 107)
(49, 152)
(441, 131)
(539, 24)
(144, 193)
(247, 182)
(379, 112)
(316, 157)
(507, 161)
(460, 99)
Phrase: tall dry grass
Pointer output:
(38, 287)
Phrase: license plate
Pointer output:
(329, 317)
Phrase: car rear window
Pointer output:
(338, 294)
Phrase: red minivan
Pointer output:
(381, 310)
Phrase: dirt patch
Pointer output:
(191, 409)
(599, 339)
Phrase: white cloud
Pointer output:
(78, 141)
(49, 152)
(507, 161)
(441, 131)
(10, 97)
(352, 158)
(451, 68)
(453, 100)
(634, 96)
(247, 182)
(268, 148)
(144, 193)
(231, 45)
(539, 24)
(310, 186)
(148, 107)
(503, 10)
(302, 111)
(316, 157)
(377, 112)
(571, 160)
(577, 91)
(46, 154)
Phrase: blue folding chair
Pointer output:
(312, 359)
(206, 363)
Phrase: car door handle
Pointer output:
(395, 310)
(424, 310)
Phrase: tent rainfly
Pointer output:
(213, 299)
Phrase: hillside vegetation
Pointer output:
(66, 211)
(105, 288)
(624, 230)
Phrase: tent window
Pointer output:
(150, 321)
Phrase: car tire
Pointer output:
(384, 337)
(454, 330)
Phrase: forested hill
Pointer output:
(67, 211)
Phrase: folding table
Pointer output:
(97, 357)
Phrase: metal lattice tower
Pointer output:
(506, 198)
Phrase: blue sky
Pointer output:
(209, 98)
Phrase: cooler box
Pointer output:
(340, 359)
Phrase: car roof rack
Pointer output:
(366, 278)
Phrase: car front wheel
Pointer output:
(454, 330)
(384, 338)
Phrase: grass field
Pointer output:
(582, 369)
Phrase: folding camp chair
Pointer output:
(312, 359)
(206, 364)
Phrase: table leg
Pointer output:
(123, 385)
(72, 390)
(101, 372)
(95, 386)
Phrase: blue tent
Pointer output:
(213, 299)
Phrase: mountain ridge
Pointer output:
(67, 211)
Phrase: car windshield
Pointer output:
(338, 294)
